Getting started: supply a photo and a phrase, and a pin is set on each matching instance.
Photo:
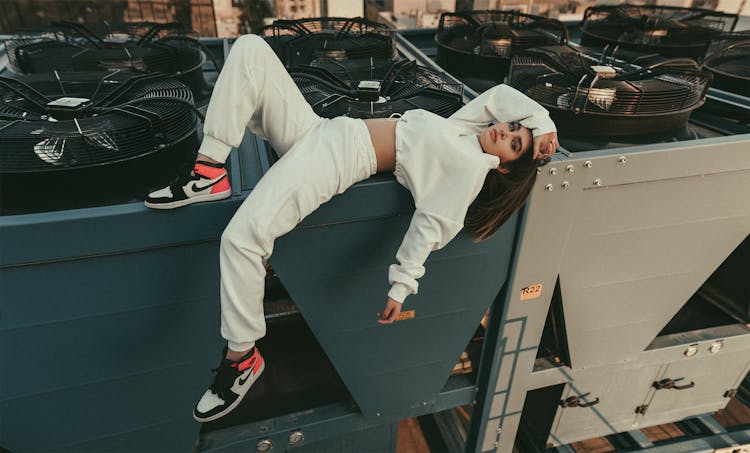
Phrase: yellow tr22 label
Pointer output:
(531, 292)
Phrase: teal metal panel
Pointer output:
(336, 270)
(108, 322)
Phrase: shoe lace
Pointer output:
(219, 386)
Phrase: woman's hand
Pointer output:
(390, 312)
(545, 145)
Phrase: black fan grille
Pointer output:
(122, 123)
(561, 79)
(489, 32)
(671, 31)
(481, 43)
(330, 86)
(165, 48)
(301, 41)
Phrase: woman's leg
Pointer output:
(321, 165)
(255, 91)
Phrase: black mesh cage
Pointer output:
(82, 139)
(728, 59)
(142, 46)
(345, 88)
(298, 42)
(667, 30)
(590, 93)
(481, 43)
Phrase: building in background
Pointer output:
(405, 14)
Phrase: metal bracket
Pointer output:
(666, 384)
(575, 401)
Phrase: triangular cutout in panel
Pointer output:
(724, 298)
(553, 348)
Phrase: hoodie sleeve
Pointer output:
(427, 232)
(503, 104)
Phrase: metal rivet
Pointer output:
(296, 437)
(264, 445)
(622, 159)
(565, 184)
(538, 171)
(553, 171)
(588, 164)
(378, 414)
(549, 188)
(570, 169)
(691, 350)
(597, 182)
(716, 347)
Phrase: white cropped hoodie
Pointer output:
(442, 164)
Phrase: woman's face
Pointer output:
(507, 141)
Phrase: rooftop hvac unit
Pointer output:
(481, 43)
(375, 88)
(142, 47)
(83, 139)
(728, 59)
(301, 41)
(666, 30)
(592, 94)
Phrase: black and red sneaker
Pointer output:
(232, 381)
(208, 181)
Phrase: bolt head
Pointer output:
(553, 171)
(691, 350)
(597, 182)
(622, 159)
(565, 184)
(570, 169)
(588, 164)
(296, 437)
(549, 188)
(716, 347)
(264, 445)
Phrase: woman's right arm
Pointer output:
(504, 104)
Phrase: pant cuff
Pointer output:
(215, 149)
(237, 347)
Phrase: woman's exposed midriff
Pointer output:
(383, 136)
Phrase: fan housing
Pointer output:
(142, 46)
(667, 30)
(83, 139)
(298, 42)
(589, 93)
(481, 43)
(375, 88)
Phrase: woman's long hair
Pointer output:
(501, 195)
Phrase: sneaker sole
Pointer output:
(187, 201)
(235, 403)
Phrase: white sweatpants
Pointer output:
(319, 159)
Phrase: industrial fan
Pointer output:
(375, 88)
(481, 43)
(666, 30)
(82, 139)
(143, 47)
(728, 59)
(301, 41)
(596, 94)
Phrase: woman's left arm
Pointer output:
(503, 104)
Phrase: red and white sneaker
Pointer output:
(207, 182)
(232, 381)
